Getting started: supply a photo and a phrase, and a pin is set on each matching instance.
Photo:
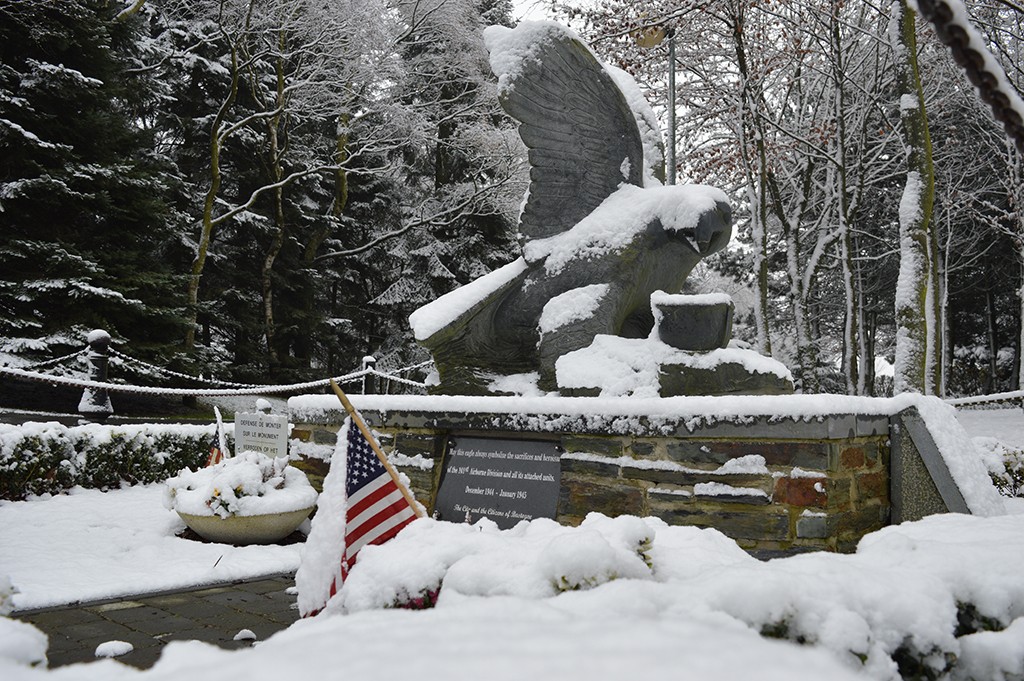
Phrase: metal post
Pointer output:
(649, 38)
(671, 106)
(369, 380)
(95, 403)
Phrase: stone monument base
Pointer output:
(778, 485)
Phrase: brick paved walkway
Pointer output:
(214, 614)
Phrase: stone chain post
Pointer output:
(95, 403)
(369, 380)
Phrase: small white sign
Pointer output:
(266, 433)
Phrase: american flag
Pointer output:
(376, 510)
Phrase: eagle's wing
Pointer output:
(582, 137)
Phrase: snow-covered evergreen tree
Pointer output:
(83, 228)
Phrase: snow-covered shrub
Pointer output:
(251, 483)
(6, 596)
(19, 641)
(970, 372)
(992, 654)
(424, 600)
(1005, 464)
(536, 559)
(41, 458)
(584, 560)
(921, 600)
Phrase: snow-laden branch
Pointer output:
(441, 217)
(130, 10)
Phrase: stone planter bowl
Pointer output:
(246, 529)
(698, 323)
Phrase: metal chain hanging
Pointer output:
(168, 372)
(982, 69)
(57, 360)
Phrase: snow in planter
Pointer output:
(249, 484)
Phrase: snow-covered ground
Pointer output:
(1005, 425)
(503, 613)
(89, 545)
(695, 610)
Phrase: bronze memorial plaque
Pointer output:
(504, 480)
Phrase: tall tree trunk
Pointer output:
(806, 349)
(852, 349)
(305, 341)
(946, 350)
(868, 329)
(1018, 359)
(267, 281)
(990, 337)
(209, 202)
(759, 235)
(275, 152)
(912, 312)
(757, 181)
(937, 318)
(1016, 177)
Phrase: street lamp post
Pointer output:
(649, 38)
(671, 106)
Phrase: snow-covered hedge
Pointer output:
(1005, 464)
(941, 598)
(38, 458)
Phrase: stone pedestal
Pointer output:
(693, 323)
(777, 486)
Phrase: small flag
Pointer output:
(361, 504)
(376, 510)
(215, 457)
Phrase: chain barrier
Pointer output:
(1016, 396)
(981, 67)
(228, 388)
(192, 392)
(396, 379)
(201, 392)
(169, 372)
(54, 362)
(414, 367)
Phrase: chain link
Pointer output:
(397, 379)
(199, 392)
(169, 372)
(993, 87)
(414, 367)
(1017, 396)
(54, 362)
(193, 392)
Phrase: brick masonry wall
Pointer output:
(820, 488)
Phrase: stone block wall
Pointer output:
(776, 487)
(809, 495)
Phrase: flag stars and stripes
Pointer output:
(377, 510)
(376, 506)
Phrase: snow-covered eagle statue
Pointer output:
(598, 230)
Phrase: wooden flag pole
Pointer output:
(356, 419)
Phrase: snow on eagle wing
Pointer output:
(578, 129)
